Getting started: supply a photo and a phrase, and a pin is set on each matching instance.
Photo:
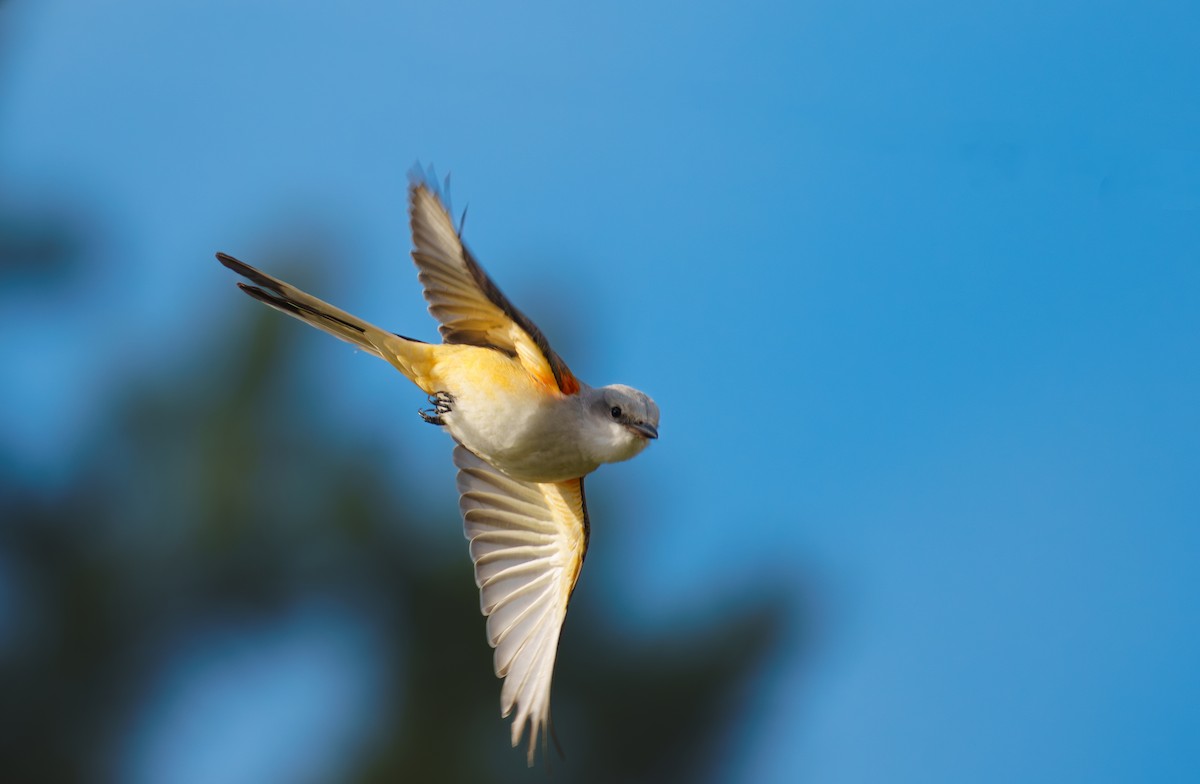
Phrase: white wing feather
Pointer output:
(527, 541)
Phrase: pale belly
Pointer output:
(504, 417)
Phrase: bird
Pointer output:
(526, 431)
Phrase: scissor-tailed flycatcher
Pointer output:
(528, 432)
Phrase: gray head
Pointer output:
(620, 421)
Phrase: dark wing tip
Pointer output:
(425, 178)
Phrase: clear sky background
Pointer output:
(915, 285)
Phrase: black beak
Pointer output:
(644, 430)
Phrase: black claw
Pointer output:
(441, 403)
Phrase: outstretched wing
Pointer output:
(469, 306)
(528, 542)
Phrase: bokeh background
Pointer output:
(916, 286)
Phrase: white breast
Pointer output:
(535, 438)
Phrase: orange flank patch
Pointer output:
(487, 370)
(459, 366)
(557, 379)
(567, 383)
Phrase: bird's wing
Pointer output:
(468, 305)
(528, 542)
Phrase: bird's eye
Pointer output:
(616, 412)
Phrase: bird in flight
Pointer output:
(527, 432)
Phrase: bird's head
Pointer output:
(620, 421)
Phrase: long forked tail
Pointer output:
(410, 356)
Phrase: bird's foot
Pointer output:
(441, 402)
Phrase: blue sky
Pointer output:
(916, 287)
